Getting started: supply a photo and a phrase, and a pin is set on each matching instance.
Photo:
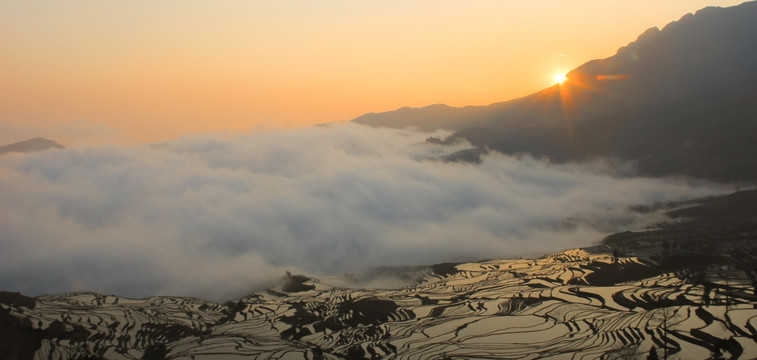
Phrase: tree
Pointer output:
(623, 353)
(665, 317)
(652, 354)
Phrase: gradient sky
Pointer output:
(124, 71)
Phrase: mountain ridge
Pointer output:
(704, 61)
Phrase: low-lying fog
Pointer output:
(215, 216)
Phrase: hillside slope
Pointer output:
(687, 288)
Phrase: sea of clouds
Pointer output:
(218, 216)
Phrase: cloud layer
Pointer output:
(215, 217)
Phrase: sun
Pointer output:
(560, 78)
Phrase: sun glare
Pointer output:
(560, 78)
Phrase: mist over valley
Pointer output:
(608, 216)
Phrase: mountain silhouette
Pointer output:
(30, 145)
(677, 101)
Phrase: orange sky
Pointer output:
(124, 71)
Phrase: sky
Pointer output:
(125, 71)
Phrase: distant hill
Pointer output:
(31, 145)
(677, 101)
